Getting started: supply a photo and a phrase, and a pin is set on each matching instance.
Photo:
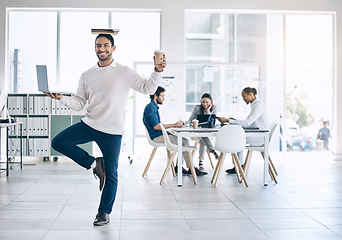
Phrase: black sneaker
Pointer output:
(101, 219)
(232, 170)
(199, 172)
(184, 171)
(99, 171)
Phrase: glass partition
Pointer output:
(186, 82)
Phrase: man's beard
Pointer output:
(103, 59)
(159, 102)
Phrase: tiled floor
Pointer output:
(58, 201)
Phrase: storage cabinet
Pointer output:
(43, 118)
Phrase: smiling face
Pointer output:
(248, 97)
(206, 103)
(104, 49)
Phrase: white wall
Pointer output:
(172, 27)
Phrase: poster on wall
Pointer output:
(208, 74)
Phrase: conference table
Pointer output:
(189, 132)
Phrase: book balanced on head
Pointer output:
(105, 31)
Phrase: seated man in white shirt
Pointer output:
(258, 117)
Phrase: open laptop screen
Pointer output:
(203, 119)
(42, 79)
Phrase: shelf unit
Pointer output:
(43, 118)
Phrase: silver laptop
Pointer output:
(42, 80)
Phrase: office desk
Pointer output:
(211, 132)
(8, 126)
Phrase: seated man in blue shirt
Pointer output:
(151, 120)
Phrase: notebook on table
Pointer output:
(249, 127)
(42, 80)
(244, 127)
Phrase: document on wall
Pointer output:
(208, 74)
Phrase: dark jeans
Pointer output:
(66, 143)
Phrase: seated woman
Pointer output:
(206, 107)
(258, 117)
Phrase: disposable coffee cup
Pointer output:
(195, 124)
(158, 55)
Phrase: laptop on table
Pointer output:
(42, 80)
(203, 119)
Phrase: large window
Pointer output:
(32, 40)
(238, 42)
(267, 51)
(76, 45)
(62, 40)
(309, 64)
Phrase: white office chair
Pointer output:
(155, 146)
(230, 139)
(173, 148)
(261, 148)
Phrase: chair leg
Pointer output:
(247, 161)
(239, 169)
(220, 168)
(216, 168)
(172, 164)
(236, 168)
(211, 162)
(191, 166)
(272, 169)
(167, 167)
(193, 151)
(220, 164)
(272, 175)
(173, 169)
(271, 162)
(149, 161)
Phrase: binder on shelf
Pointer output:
(30, 104)
(53, 106)
(46, 126)
(15, 105)
(47, 105)
(35, 105)
(57, 107)
(24, 105)
(20, 106)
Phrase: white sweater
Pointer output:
(258, 116)
(106, 90)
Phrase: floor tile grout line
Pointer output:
(21, 172)
(66, 202)
(185, 219)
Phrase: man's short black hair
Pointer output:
(158, 92)
(108, 36)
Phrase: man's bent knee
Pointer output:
(57, 143)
